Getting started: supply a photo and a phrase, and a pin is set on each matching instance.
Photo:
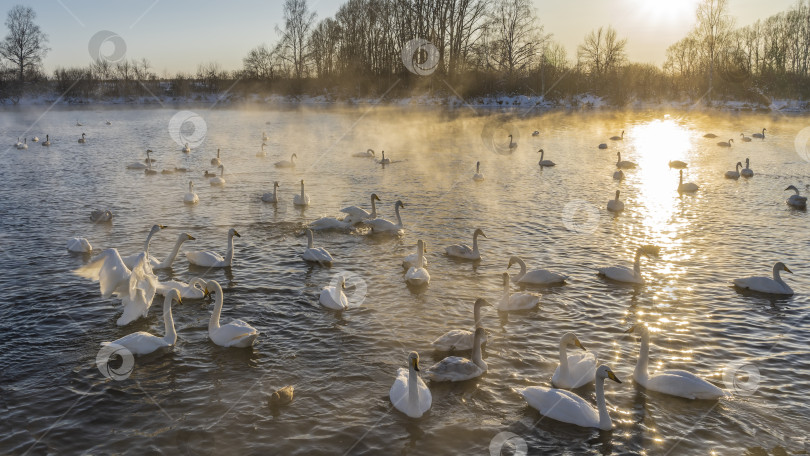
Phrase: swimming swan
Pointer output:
(357, 214)
(545, 162)
(409, 394)
(796, 200)
(458, 369)
(191, 197)
(271, 197)
(624, 164)
(216, 160)
(79, 245)
(209, 259)
(287, 163)
(236, 333)
(333, 297)
(574, 370)
(615, 205)
(316, 254)
(219, 180)
(746, 172)
(478, 177)
(143, 343)
(462, 339)
(775, 285)
(379, 225)
(687, 187)
(734, 174)
(301, 200)
(463, 251)
(627, 275)
(535, 276)
(517, 301)
(418, 275)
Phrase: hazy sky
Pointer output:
(176, 35)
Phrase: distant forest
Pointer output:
(476, 48)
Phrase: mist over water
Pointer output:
(203, 399)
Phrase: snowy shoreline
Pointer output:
(580, 102)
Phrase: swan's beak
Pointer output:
(416, 365)
(206, 293)
(162, 226)
(613, 377)
(179, 299)
(236, 233)
(787, 270)
(191, 238)
(629, 330)
(579, 344)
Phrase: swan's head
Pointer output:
(174, 295)
(650, 250)
(792, 187)
(375, 197)
(617, 195)
(399, 204)
(639, 329)
(505, 277)
(371, 151)
(293, 157)
(156, 228)
(739, 164)
(605, 372)
(513, 260)
(481, 302)
(480, 232)
(233, 232)
(211, 287)
(148, 151)
(186, 237)
(730, 140)
(779, 266)
(413, 361)
(541, 151)
(571, 339)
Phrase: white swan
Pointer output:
(99, 216)
(418, 275)
(544, 162)
(379, 225)
(302, 199)
(409, 394)
(316, 254)
(623, 164)
(333, 297)
(535, 276)
(687, 187)
(192, 290)
(35, 139)
(191, 197)
(262, 152)
(677, 164)
(219, 180)
(462, 339)
(167, 263)
(674, 382)
(186, 149)
(574, 370)
(745, 138)
(617, 138)
(329, 223)
(412, 260)
(216, 160)
(357, 214)
(79, 245)
(760, 135)
(271, 197)
(458, 369)
(131, 260)
(517, 301)
(775, 285)
(725, 144)
(138, 165)
(149, 159)
(209, 259)
(615, 205)
(82, 140)
(734, 174)
(265, 138)
(385, 161)
(478, 177)
(710, 135)
(746, 172)
(143, 343)
(236, 333)
(367, 154)
(23, 145)
(463, 251)
(627, 275)
(47, 141)
(618, 174)
(287, 163)
(796, 200)
(567, 407)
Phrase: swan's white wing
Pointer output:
(763, 285)
(459, 250)
(379, 224)
(140, 343)
(328, 299)
(620, 274)
(329, 223)
(110, 271)
(186, 291)
(410, 261)
(561, 405)
(237, 333)
(317, 254)
(417, 276)
(399, 395)
(683, 384)
(356, 212)
(453, 369)
(205, 258)
(80, 245)
(456, 339)
(519, 301)
(542, 277)
(581, 371)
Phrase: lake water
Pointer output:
(203, 399)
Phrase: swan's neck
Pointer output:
(476, 354)
(373, 208)
(399, 218)
(213, 323)
(563, 360)
(541, 155)
(191, 187)
(275, 189)
(522, 267)
(637, 264)
(148, 240)
(475, 243)
(680, 181)
(478, 166)
(170, 335)
(618, 157)
(170, 259)
(777, 276)
(229, 255)
(413, 389)
(309, 239)
(506, 289)
(302, 190)
(222, 172)
(640, 373)
(604, 416)
(477, 315)
(420, 255)
(737, 168)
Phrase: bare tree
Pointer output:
(517, 35)
(602, 52)
(259, 63)
(298, 23)
(25, 45)
(713, 29)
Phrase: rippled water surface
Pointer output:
(200, 398)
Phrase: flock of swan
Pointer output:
(131, 278)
